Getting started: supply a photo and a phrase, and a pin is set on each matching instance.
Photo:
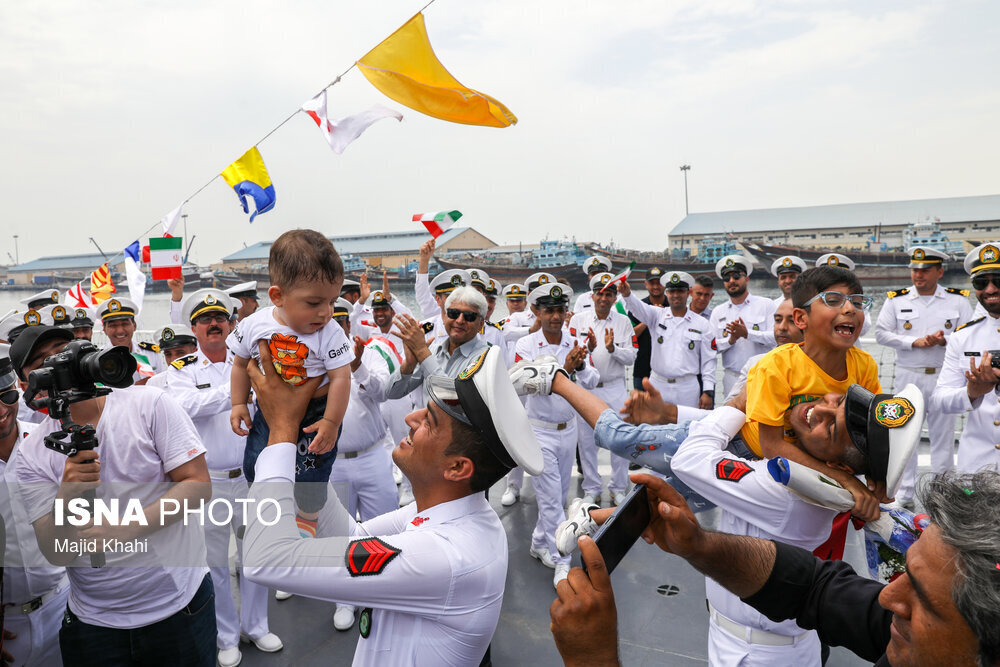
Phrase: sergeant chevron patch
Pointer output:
(731, 470)
(369, 556)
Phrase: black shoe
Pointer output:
(634, 466)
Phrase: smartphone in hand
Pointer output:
(623, 528)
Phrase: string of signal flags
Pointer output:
(403, 67)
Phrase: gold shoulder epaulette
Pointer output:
(970, 322)
(496, 325)
(184, 361)
(152, 347)
(894, 293)
(955, 290)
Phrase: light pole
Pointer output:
(685, 168)
(17, 256)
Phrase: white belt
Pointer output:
(549, 425)
(752, 635)
(12, 609)
(364, 450)
(924, 370)
(232, 473)
(663, 378)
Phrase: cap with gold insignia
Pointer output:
(342, 308)
(350, 286)
(204, 301)
(536, 279)
(247, 290)
(552, 294)
(446, 281)
(983, 259)
(515, 291)
(787, 264)
(15, 322)
(43, 298)
(886, 429)
(60, 315)
(377, 299)
(731, 263)
(922, 257)
(599, 280)
(478, 277)
(82, 318)
(493, 288)
(596, 264)
(483, 397)
(654, 273)
(835, 259)
(677, 280)
(117, 308)
(175, 335)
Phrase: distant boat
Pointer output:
(710, 250)
(563, 259)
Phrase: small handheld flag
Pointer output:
(437, 223)
(165, 257)
(248, 177)
(621, 277)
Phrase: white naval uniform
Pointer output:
(26, 413)
(28, 578)
(979, 444)
(516, 325)
(756, 505)
(586, 301)
(362, 323)
(493, 334)
(903, 319)
(610, 388)
(757, 313)
(425, 296)
(436, 601)
(202, 389)
(362, 474)
(680, 350)
(554, 423)
(155, 366)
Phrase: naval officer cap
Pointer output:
(342, 308)
(447, 281)
(536, 279)
(82, 318)
(835, 259)
(479, 277)
(599, 280)
(43, 298)
(731, 263)
(204, 302)
(886, 429)
(787, 264)
(247, 290)
(483, 397)
(983, 259)
(596, 264)
(378, 299)
(677, 280)
(922, 257)
(515, 291)
(493, 289)
(553, 294)
(350, 286)
(8, 378)
(175, 335)
(57, 315)
(653, 273)
(12, 320)
(117, 308)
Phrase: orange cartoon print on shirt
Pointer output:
(289, 357)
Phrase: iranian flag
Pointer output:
(165, 257)
(437, 223)
(621, 277)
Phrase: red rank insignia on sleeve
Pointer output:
(418, 520)
(732, 470)
(369, 556)
(714, 346)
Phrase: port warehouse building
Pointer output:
(58, 268)
(974, 220)
(387, 250)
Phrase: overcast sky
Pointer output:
(114, 112)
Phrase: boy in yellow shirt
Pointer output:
(830, 309)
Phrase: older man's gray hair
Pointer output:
(966, 509)
(470, 296)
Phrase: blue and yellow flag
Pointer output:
(248, 176)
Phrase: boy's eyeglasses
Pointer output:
(467, 315)
(982, 282)
(735, 275)
(837, 299)
(9, 396)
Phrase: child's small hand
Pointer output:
(239, 417)
(326, 436)
(865, 502)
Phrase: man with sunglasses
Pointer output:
(34, 592)
(117, 317)
(917, 322)
(742, 325)
(969, 376)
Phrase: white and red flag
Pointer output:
(437, 223)
(165, 257)
(621, 277)
(77, 297)
(340, 133)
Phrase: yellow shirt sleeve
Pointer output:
(768, 389)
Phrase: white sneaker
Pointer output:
(618, 498)
(587, 499)
(542, 554)
(510, 496)
(343, 617)
(230, 657)
(405, 497)
(577, 524)
(268, 643)
(397, 474)
(281, 595)
(562, 572)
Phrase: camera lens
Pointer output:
(113, 367)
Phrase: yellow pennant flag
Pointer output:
(101, 284)
(405, 69)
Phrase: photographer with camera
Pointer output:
(124, 613)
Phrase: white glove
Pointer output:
(535, 377)
(577, 524)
